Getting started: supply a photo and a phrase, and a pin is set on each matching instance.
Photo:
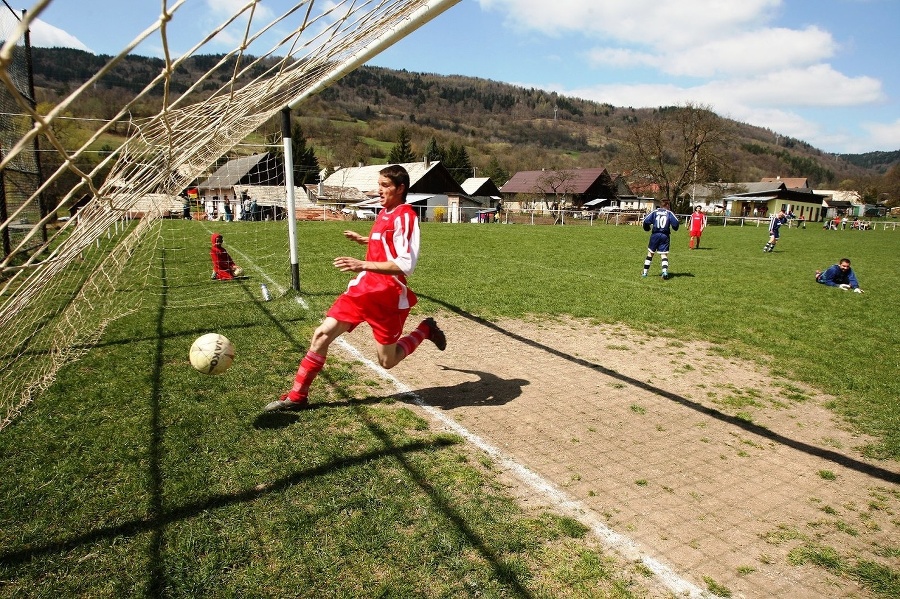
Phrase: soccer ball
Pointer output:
(212, 353)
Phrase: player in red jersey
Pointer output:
(378, 295)
(697, 224)
(224, 268)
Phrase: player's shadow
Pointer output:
(488, 390)
(673, 275)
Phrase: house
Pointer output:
(843, 203)
(431, 187)
(229, 183)
(765, 198)
(564, 187)
(484, 193)
(789, 182)
(483, 190)
(257, 169)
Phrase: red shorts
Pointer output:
(377, 309)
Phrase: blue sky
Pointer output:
(823, 71)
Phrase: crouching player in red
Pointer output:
(224, 268)
(378, 295)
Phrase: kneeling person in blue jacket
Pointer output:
(839, 275)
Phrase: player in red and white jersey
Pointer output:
(696, 222)
(378, 295)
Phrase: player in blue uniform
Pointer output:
(839, 275)
(660, 223)
(774, 224)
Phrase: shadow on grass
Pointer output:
(761, 431)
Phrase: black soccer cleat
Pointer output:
(284, 404)
(435, 334)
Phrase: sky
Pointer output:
(822, 71)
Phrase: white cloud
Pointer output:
(676, 22)
(752, 51)
(44, 35)
(884, 136)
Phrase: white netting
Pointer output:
(59, 281)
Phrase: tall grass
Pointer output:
(135, 476)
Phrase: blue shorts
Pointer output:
(659, 242)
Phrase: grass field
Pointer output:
(135, 476)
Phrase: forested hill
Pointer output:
(520, 128)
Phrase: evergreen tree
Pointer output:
(402, 150)
(306, 165)
(433, 152)
(496, 172)
(457, 162)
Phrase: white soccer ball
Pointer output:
(212, 353)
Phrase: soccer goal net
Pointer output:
(60, 276)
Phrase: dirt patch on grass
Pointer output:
(736, 479)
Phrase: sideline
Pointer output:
(565, 504)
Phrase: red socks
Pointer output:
(310, 366)
(410, 342)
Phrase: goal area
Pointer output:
(61, 268)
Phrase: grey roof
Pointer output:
(274, 195)
(232, 171)
(365, 178)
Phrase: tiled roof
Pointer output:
(532, 181)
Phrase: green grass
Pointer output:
(135, 476)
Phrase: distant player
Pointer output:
(660, 223)
(774, 224)
(697, 223)
(378, 295)
(224, 268)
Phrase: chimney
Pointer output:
(427, 163)
(321, 190)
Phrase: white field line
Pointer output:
(610, 538)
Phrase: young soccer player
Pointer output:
(697, 224)
(378, 295)
(224, 268)
(660, 222)
(774, 225)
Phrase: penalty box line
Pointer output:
(613, 540)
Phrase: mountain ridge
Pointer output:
(519, 128)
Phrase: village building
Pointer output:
(432, 190)
(559, 189)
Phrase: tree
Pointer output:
(306, 165)
(676, 147)
(558, 183)
(433, 152)
(890, 187)
(402, 150)
(496, 172)
(457, 162)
